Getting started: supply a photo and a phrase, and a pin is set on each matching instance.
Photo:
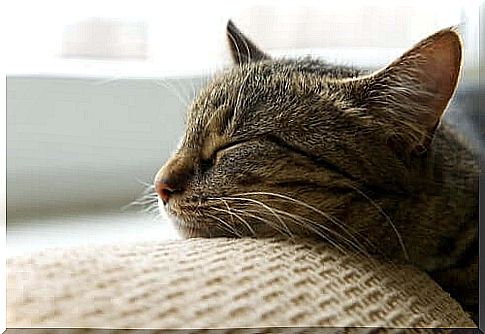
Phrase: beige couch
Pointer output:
(214, 283)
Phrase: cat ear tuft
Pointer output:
(414, 90)
(242, 49)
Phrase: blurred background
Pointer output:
(97, 92)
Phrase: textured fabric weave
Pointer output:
(214, 283)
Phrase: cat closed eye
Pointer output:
(207, 164)
(218, 153)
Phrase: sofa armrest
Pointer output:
(212, 283)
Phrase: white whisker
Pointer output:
(229, 229)
(393, 226)
(308, 206)
(264, 206)
(231, 213)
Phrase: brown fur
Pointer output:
(301, 147)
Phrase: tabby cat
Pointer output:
(361, 160)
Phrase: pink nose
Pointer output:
(173, 177)
(164, 191)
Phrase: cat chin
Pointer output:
(198, 230)
(201, 230)
(188, 229)
(187, 233)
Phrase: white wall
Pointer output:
(85, 142)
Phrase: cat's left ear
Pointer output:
(242, 49)
(412, 93)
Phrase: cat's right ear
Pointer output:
(409, 96)
(242, 49)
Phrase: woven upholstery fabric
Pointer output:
(214, 283)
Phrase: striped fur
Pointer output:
(360, 160)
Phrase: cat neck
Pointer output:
(451, 166)
(445, 205)
(439, 207)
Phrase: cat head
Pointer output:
(290, 145)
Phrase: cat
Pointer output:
(363, 161)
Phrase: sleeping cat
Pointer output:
(361, 160)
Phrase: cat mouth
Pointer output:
(199, 221)
(197, 227)
(181, 222)
(189, 229)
